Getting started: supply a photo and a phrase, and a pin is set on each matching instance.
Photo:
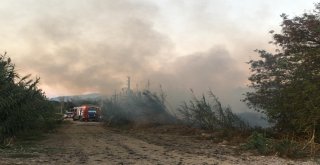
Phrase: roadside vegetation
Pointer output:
(24, 109)
(286, 86)
(220, 122)
(208, 113)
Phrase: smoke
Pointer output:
(80, 46)
(93, 46)
(200, 72)
(92, 51)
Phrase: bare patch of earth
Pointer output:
(91, 143)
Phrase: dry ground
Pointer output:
(91, 143)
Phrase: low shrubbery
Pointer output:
(283, 147)
(260, 143)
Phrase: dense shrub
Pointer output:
(285, 83)
(23, 106)
(283, 147)
(258, 141)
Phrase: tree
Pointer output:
(23, 106)
(286, 84)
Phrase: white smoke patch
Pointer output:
(212, 70)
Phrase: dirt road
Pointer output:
(91, 143)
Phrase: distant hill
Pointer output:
(91, 96)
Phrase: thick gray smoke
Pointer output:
(212, 70)
(92, 46)
(80, 46)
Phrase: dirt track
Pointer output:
(91, 143)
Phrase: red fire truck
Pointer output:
(87, 113)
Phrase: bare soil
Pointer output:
(92, 143)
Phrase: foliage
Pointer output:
(289, 148)
(286, 84)
(267, 146)
(136, 108)
(22, 105)
(210, 115)
(259, 142)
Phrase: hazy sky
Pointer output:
(83, 46)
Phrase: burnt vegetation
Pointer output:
(137, 108)
(208, 113)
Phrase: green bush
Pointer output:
(266, 146)
(260, 143)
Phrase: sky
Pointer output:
(85, 46)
